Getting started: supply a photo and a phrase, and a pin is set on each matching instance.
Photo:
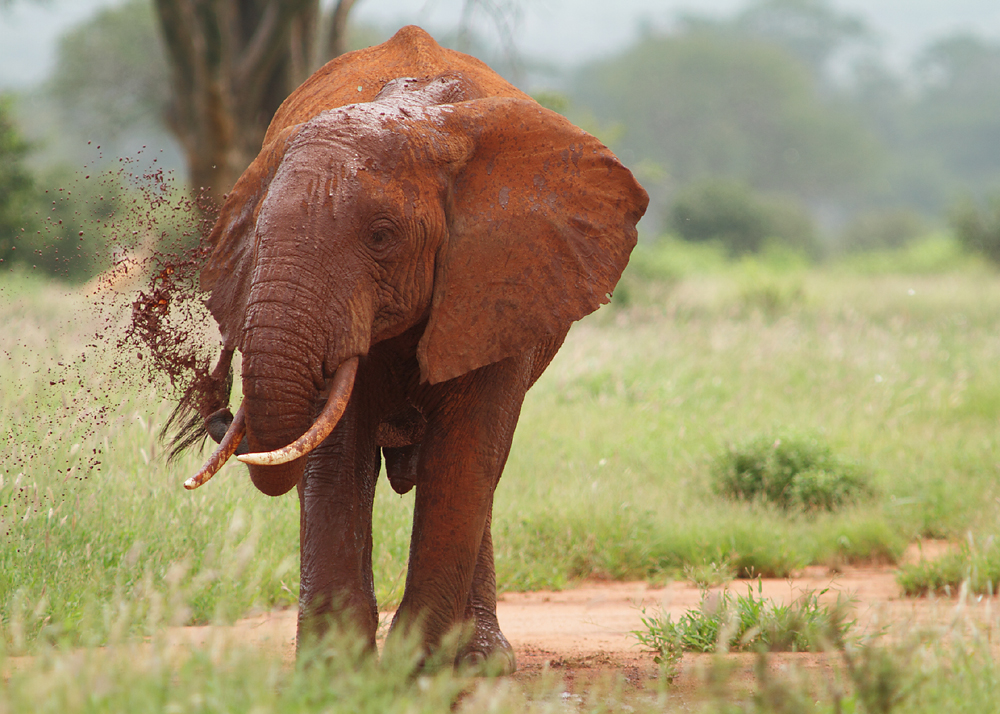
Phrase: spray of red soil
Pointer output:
(144, 315)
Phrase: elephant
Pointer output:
(397, 267)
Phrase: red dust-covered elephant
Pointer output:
(397, 267)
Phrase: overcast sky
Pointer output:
(565, 31)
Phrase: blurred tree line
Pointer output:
(781, 123)
(788, 110)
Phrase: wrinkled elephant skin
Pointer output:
(413, 210)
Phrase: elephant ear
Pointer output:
(541, 219)
(228, 270)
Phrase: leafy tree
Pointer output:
(700, 104)
(812, 30)
(111, 74)
(232, 63)
(74, 235)
(957, 115)
(60, 230)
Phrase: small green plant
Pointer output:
(790, 471)
(751, 622)
(975, 563)
(710, 575)
(662, 639)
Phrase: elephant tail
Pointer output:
(189, 423)
(184, 429)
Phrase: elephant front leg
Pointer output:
(449, 517)
(335, 524)
(487, 649)
(450, 578)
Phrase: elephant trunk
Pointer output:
(336, 403)
(298, 331)
(275, 481)
(282, 378)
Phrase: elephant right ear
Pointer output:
(541, 220)
(229, 269)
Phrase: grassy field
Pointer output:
(890, 360)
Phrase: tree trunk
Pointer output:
(336, 39)
(233, 62)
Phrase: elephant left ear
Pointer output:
(228, 272)
(541, 219)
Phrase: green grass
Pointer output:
(617, 439)
(610, 475)
(726, 622)
(975, 565)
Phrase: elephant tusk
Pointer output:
(227, 447)
(336, 403)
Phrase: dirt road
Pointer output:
(587, 629)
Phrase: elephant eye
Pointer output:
(381, 237)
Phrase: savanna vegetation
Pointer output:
(885, 378)
(798, 368)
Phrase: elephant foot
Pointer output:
(488, 653)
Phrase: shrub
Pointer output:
(978, 228)
(71, 240)
(790, 472)
(888, 229)
(730, 213)
(746, 623)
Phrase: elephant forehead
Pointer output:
(298, 190)
(383, 131)
(360, 126)
(330, 180)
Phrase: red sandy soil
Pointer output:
(585, 632)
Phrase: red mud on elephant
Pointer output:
(397, 267)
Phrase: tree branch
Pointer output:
(336, 41)
(265, 46)
(175, 24)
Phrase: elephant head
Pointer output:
(491, 223)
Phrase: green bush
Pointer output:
(790, 471)
(978, 227)
(887, 229)
(16, 182)
(74, 228)
(731, 213)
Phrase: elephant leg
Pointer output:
(468, 437)
(336, 495)
(487, 649)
